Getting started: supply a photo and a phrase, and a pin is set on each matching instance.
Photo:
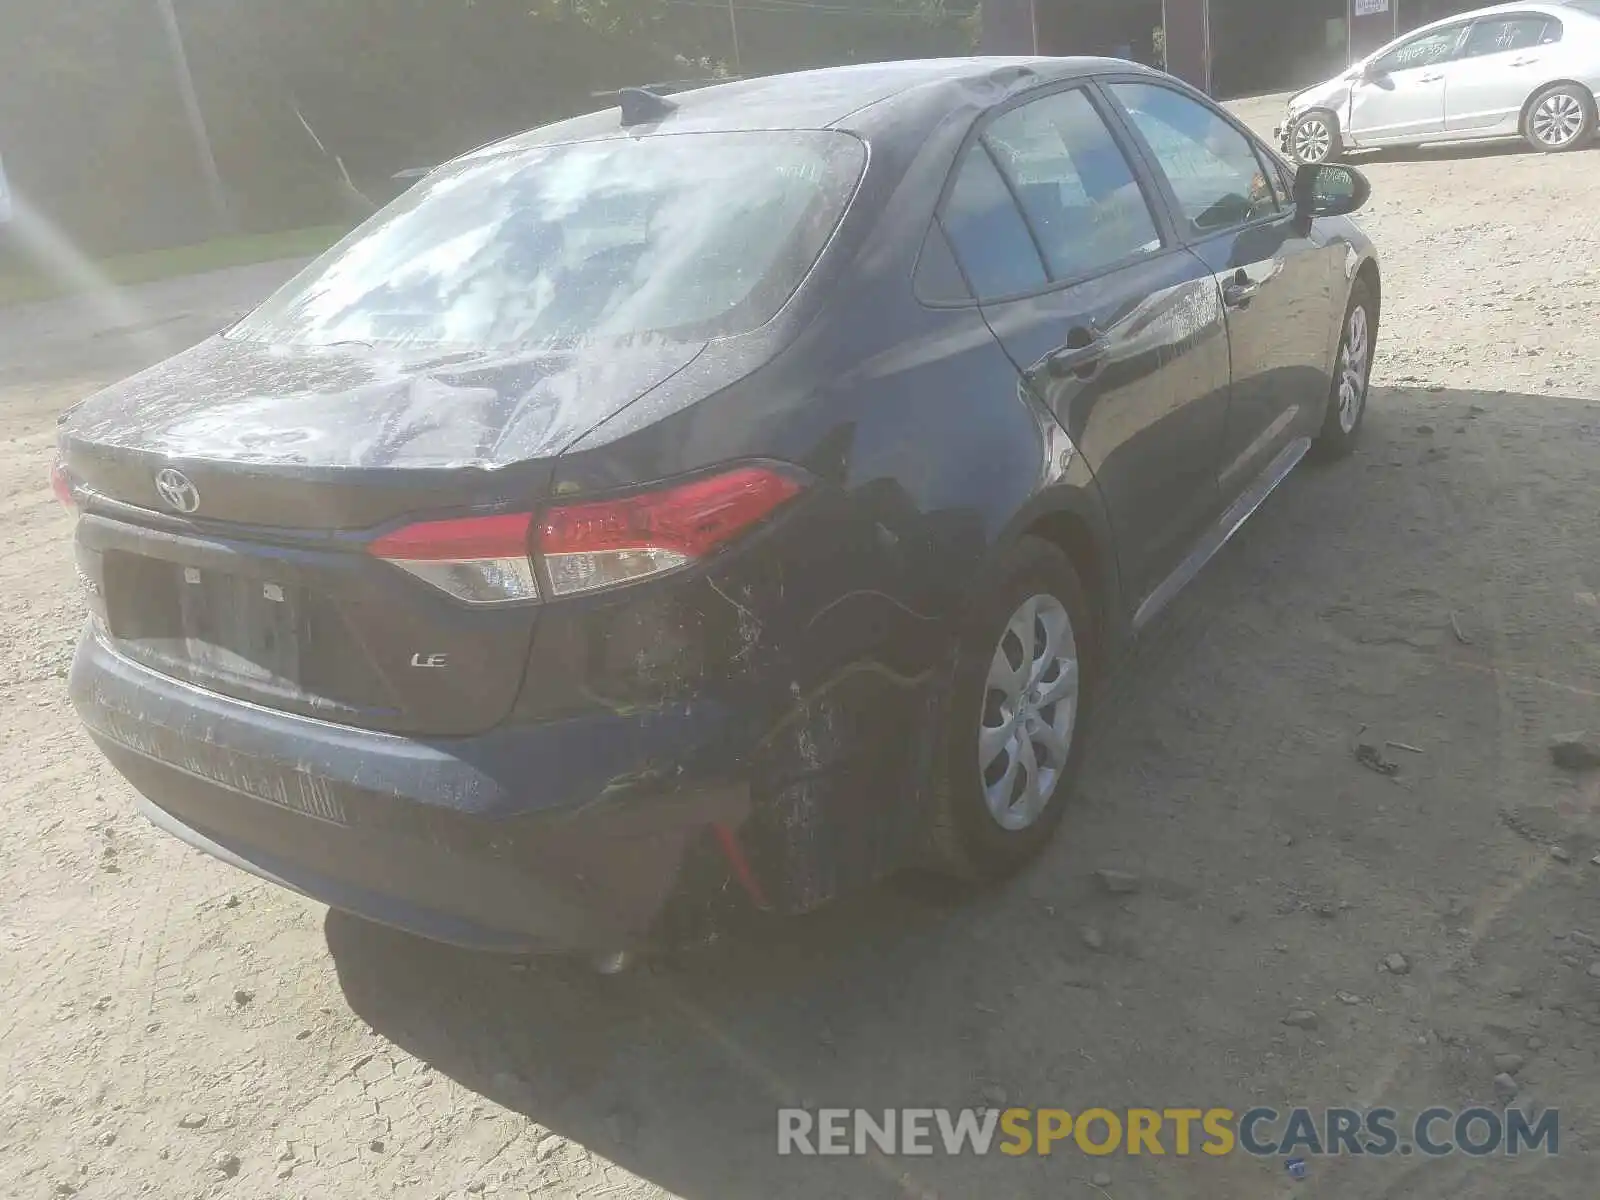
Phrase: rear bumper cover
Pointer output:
(567, 835)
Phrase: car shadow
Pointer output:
(1456, 151)
(909, 995)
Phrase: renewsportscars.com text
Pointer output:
(1179, 1132)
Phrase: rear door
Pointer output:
(1403, 96)
(1112, 324)
(1233, 210)
(1501, 64)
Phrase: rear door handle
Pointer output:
(1239, 293)
(1524, 62)
(1077, 360)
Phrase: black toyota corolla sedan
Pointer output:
(712, 503)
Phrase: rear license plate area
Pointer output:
(212, 622)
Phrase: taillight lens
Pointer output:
(601, 543)
(482, 560)
(61, 485)
(586, 546)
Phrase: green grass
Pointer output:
(125, 269)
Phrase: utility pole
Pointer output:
(733, 27)
(197, 122)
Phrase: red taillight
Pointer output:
(585, 546)
(482, 560)
(61, 485)
(605, 542)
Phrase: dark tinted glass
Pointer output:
(695, 235)
(939, 280)
(987, 232)
(1213, 168)
(1074, 183)
(1510, 33)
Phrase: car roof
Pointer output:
(1543, 7)
(825, 98)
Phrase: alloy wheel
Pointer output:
(1353, 356)
(1313, 139)
(1030, 710)
(1557, 120)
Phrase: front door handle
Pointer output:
(1524, 62)
(1081, 360)
(1429, 78)
(1239, 293)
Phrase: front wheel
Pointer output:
(1015, 719)
(1352, 376)
(1315, 139)
(1562, 117)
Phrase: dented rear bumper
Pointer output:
(587, 833)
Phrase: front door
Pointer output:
(1112, 324)
(1232, 206)
(1401, 96)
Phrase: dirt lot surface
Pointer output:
(173, 1028)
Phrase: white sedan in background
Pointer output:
(1514, 70)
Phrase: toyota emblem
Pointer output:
(175, 488)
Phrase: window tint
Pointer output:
(987, 232)
(1426, 51)
(1213, 169)
(1080, 195)
(938, 278)
(1510, 33)
(694, 235)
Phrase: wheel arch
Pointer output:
(1074, 520)
(1369, 273)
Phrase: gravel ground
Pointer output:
(176, 1029)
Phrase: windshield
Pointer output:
(1592, 7)
(688, 235)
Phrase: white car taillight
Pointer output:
(482, 560)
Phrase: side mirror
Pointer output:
(1329, 190)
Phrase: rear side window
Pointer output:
(688, 235)
(987, 232)
(1501, 34)
(1074, 183)
(1214, 170)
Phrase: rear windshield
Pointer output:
(1592, 7)
(682, 235)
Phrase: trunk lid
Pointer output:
(262, 588)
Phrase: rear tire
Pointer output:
(1352, 376)
(1560, 118)
(1314, 138)
(1016, 716)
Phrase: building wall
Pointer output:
(1226, 47)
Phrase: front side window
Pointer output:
(1214, 171)
(1074, 183)
(1429, 50)
(1510, 33)
(677, 235)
